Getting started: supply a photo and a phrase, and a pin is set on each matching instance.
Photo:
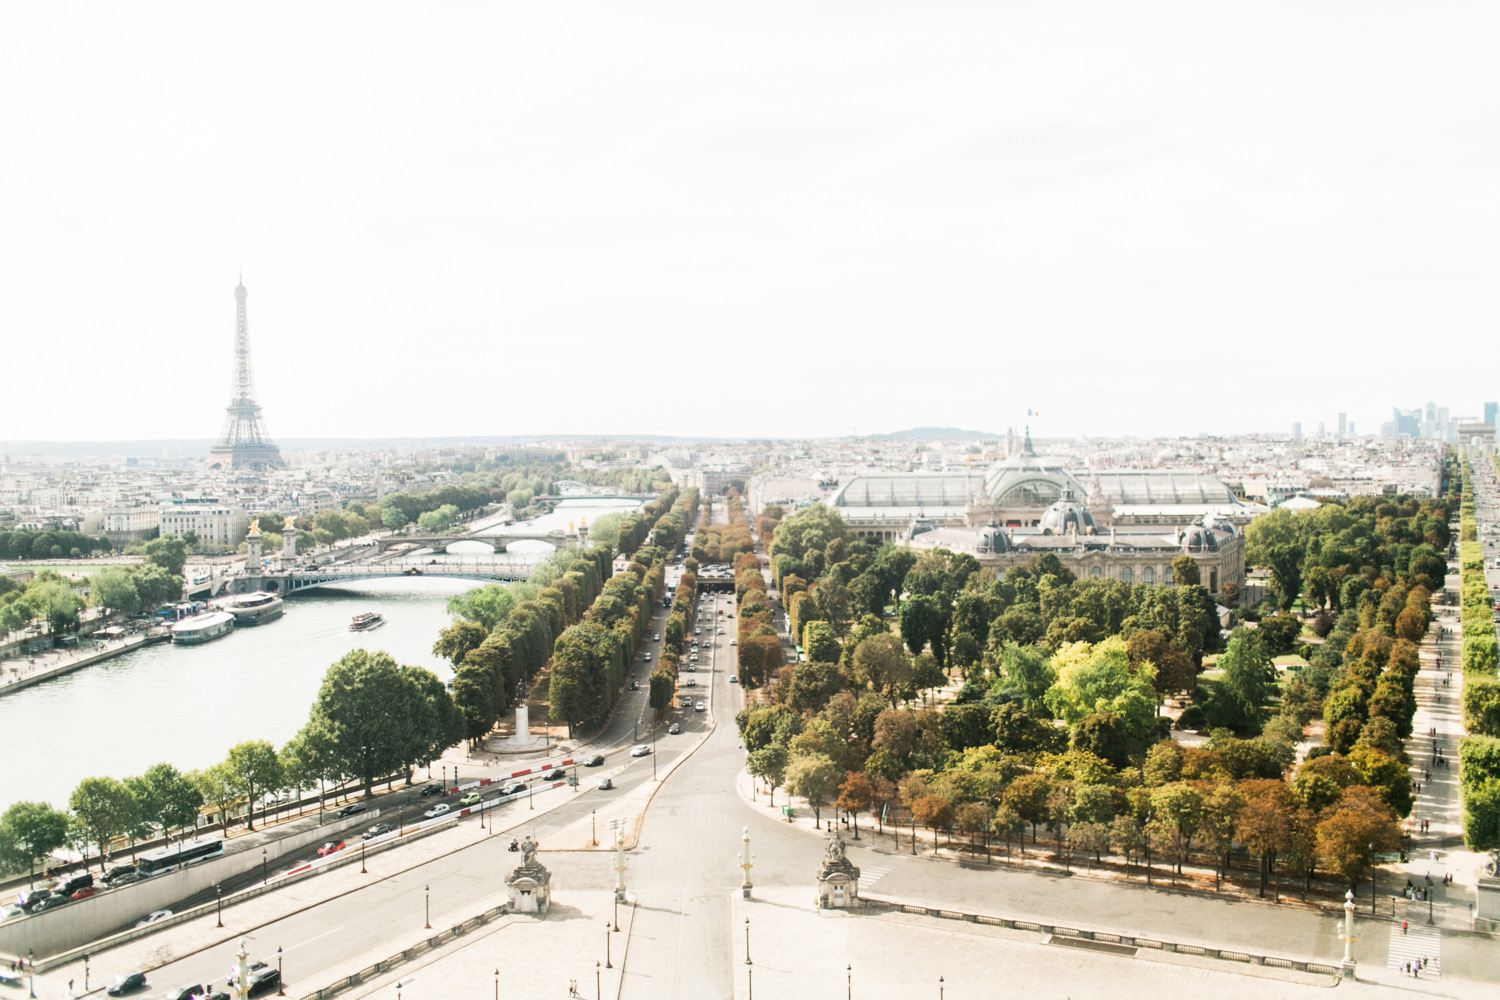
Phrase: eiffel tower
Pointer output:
(243, 443)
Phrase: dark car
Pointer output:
(431, 790)
(50, 903)
(375, 831)
(251, 972)
(71, 884)
(351, 810)
(118, 871)
(593, 761)
(556, 774)
(512, 787)
(125, 879)
(265, 979)
(184, 993)
(27, 899)
(126, 983)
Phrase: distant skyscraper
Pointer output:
(243, 443)
(1297, 430)
(1343, 424)
(1321, 433)
(1489, 412)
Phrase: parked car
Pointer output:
(28, 898)
(437, 810)
(605, 784)
(351, 810)
(428, 790)
(126, 879)
(640, 750)
(674, 729)
(66, 886)
(83, 893)
(556, 774)
(332, 847)
(154, 917)
(593, 761)
(50, 903)
(117, 871)
(126, 982)
(471, 799)
(375, 831)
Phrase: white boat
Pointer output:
(367, 621)
(253, 609)
(202, 628)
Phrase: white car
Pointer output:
(156, 916)
(640, 750)
(732, 642)
(437, 810)
(698, 707)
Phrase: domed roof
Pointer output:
(1218, 522)
(1027, 479)
(992, 538)
(1197, 538)
(919, 526)
(1067, 515)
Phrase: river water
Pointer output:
(188, 705)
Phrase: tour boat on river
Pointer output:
(202, 628)
(253, 609)
(367, 621)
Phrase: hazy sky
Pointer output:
(746, 219)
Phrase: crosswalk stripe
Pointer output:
(1417, 943)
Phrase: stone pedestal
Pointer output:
(838, 878)
(523, 741)
(530, 885)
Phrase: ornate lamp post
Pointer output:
(280, 983)
(747, 942)
(746, 862)
(1347, 966)
(620, 867)
(608, 963)
(427, 903)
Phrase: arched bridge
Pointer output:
(294, 580)
(499, 543)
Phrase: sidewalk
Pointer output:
(1437, 728)
(22, 672)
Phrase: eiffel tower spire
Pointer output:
(243, 443)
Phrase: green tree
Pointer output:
(1185, 571)
(1027, 798)
(1099, 678)
(103, 808)
(254, 765)
(487, 606)
(856, 795)
(365, 703)
(923, 622)
(1026, 672)
(170, 799)
(768, 763)
(29, 833)
(819, 643)
(1249, 675)
(168, 553)
(219, 788)
(881, 662)
(814, 778)
(458, 639)
(113, 588)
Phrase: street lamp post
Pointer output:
(31, 969)
(497, 983)
(608, 962)
(940, 988)
(1347, 967)
(362, 869)
(848, 981)
(1148, 848)
(85, 972)
(594, 827)
(280, 983)
(219, 898)
(746, 861)
(914, 833)
(427, 903)
(598, 990)
(264, 871)
(747, 942)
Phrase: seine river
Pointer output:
(188, 705)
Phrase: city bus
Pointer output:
(186, 853)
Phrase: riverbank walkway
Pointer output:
(22, 672)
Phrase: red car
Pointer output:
(83, 893)
(332, 847)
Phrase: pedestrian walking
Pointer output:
(1403, 927)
